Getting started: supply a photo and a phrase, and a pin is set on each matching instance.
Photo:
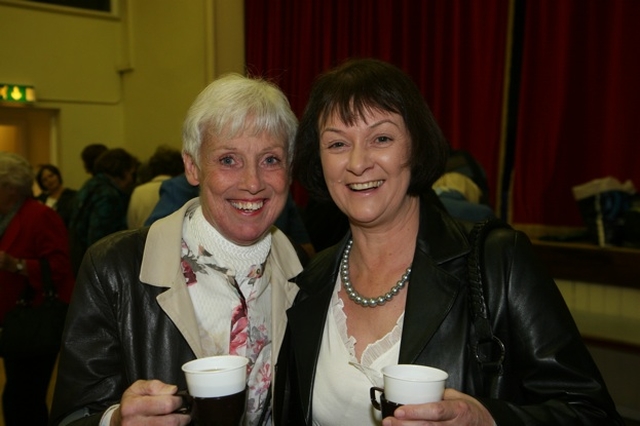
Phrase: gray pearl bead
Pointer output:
(355, 296)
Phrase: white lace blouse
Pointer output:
(342, 383)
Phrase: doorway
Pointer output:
(30, 132)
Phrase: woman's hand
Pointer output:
(456, 408)
(12, 264)
(150, 402)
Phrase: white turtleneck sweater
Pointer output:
(227, 288)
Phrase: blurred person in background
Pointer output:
(29, 232)
(172, 194)
(164, 164)
(461, 197)
(101, 204)
(54, 194)
(90, 154)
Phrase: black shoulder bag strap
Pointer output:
(47, 280)
(47, 285)
(488, 348)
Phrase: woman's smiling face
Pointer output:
(244, 184)
(365, 165)
(50, 180)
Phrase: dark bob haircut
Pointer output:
(166, 161)
(90, 154)
(115, 163)
(350, 91)
(53, 169)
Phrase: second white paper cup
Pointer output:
(413, 384)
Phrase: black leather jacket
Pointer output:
(108, 332)
(131, 317)
(548, 376)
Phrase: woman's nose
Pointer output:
(359, 160)
(251, 179)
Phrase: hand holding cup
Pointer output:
(408, 384)
(455, 408)
(150, 400)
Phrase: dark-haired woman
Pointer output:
(54, 193)
(397, 289)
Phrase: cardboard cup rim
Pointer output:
(242, 362)
(438, 374)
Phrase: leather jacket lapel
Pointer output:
(283, 266)
(307, 318)
(432, 291)
(429, 301)
(176, 303)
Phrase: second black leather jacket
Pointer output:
(549, 378)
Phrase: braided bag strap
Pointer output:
(488, 348)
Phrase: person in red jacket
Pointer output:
(29, 231)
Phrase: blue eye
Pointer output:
(227, 161)
(273, 160)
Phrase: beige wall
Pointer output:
(125, 79)
(610, 313)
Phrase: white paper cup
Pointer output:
(216, 375)
(413, 384)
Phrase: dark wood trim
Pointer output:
(585, 262)
(611, 344)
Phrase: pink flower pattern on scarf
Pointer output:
(239, 324)
(245, 339)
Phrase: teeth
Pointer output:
(249, 206)
(366, 185)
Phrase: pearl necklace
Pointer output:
(370, 302)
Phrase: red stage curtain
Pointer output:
(578, 114)
(453, 49)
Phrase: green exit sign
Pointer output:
(17, 93)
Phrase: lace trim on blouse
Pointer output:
(374, 350)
